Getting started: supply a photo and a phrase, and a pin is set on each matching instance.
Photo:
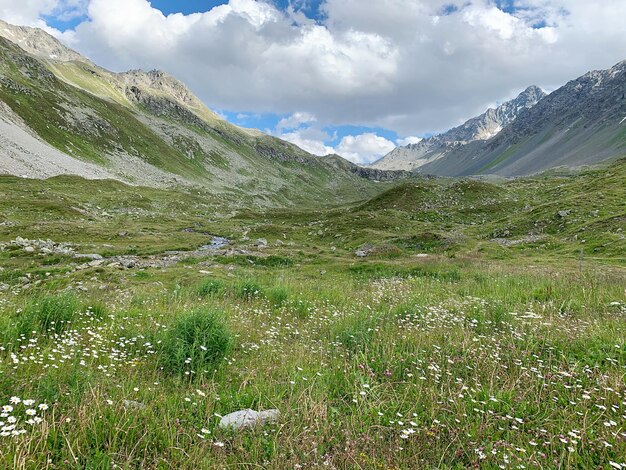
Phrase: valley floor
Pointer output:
(431, 327)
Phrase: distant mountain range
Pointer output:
(581, 123)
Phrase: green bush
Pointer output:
(278, 295)
(48, 314)
(195, 344)
(210, 288)
(248, 289)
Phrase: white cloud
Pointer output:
(303, 130)
(295, 121)
(311, 145)
(412, 66)
(365, 148)
(30, 12)
(408, 140)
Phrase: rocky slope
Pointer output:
(482, 127)
(581, 123)
(145, 128)
(39, 43)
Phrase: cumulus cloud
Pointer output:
(295, 121)
(312, 145)
(304, 130)
(408, 141)
(30, 12)
(365, 148)
(412, 66)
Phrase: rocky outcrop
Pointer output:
(39, 43)
(373, 174)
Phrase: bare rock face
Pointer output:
(39, 43)
(248, 418)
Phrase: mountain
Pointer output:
(60, 113)
(482, 127)
(39, 43)
(581, 123)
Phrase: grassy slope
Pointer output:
(478, 355)
(201, 149)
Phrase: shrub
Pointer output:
(195, 344)
(48, 314)
(210, 288)
(278, 295)
(248, 289)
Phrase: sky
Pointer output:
(353, 77)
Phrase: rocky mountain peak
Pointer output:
(480, 128)
(37, 42)
(160, 82)
(162, 85)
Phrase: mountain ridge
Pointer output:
(578, 124)
(482, 127)
(148, 128)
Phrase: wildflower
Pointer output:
(31, 412)
(14, 400)
(43, 407)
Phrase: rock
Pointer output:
(261, 242)
(421, 255)
(132, 404)
(128, 263)
(91, 256)
(565, 213)
(248, 418)
(29, 249)
(4, 287)
(364, 251)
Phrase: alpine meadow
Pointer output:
(335, 266)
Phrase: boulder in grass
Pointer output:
(248, 418)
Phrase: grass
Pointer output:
(195, 344)
(459, 341)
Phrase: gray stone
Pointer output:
(91, 256)
(249, 418)
(565, 213)
(364, 251)
(128, 263)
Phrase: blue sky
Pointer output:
(309, 7)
